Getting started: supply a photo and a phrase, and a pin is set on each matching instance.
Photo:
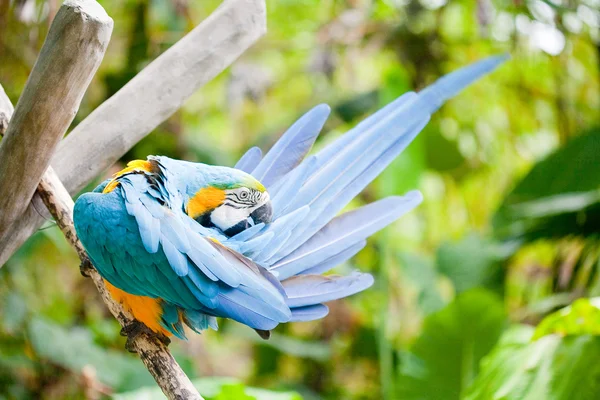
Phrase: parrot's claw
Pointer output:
(135, 328)
(85, 267)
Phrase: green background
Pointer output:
(506, 237)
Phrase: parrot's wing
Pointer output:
(328, 181)
(145, 248)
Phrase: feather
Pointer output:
(328, 208)
(256, 244)
(206, 256)
(210, 302)
(334, 148)
(306, 290)
(344, 231)
(243, 308)
(283, 196)
(282, 230)
(172, 228)
(199, 321)
(309, 313)
(336, 260)
(249, 160)
(293, 145)
(247, 234)
(450, 85)
(207, 286)
(176, 259)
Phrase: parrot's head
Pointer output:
(230, 200)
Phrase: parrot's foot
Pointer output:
(85, 267)
(134, 329)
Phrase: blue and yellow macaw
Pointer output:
(183, 243)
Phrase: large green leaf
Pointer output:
(214, 389)
(551, 368)
(445, 358)
(580, 318)
(559, 196)
(74, 349)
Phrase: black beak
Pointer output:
(237, 228)
(262, 214)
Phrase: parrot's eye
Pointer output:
(244, 194)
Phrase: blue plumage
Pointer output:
(239, 251)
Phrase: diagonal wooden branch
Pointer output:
(154, 354)
(146, 101)
(67, 62)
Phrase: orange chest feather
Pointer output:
(204, 200)
(145, 309)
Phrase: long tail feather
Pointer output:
(344, 231)
(289, 151)
(309, 313)
(307, 290)
(249, 160)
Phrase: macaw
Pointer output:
(183, 243)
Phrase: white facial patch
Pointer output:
(226, 216)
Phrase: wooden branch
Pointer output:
(146, 101)
(67, 62)
(154, 354)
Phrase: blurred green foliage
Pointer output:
(505, 241)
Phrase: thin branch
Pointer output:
(67, 62)
(146, 101)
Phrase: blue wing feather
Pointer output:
(249, 160)
(307, 290)
(336, 259)
(293, 145)
(309, 313)
(344, 231)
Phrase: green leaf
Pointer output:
(14, 312)
(472, 262)
(214, 389)
(580, 318)
(558, 197)
(445, 358)
(441, 154)
(310, 349)
(551, 368)
(74, 349)
(422, 277)
(357, 106)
